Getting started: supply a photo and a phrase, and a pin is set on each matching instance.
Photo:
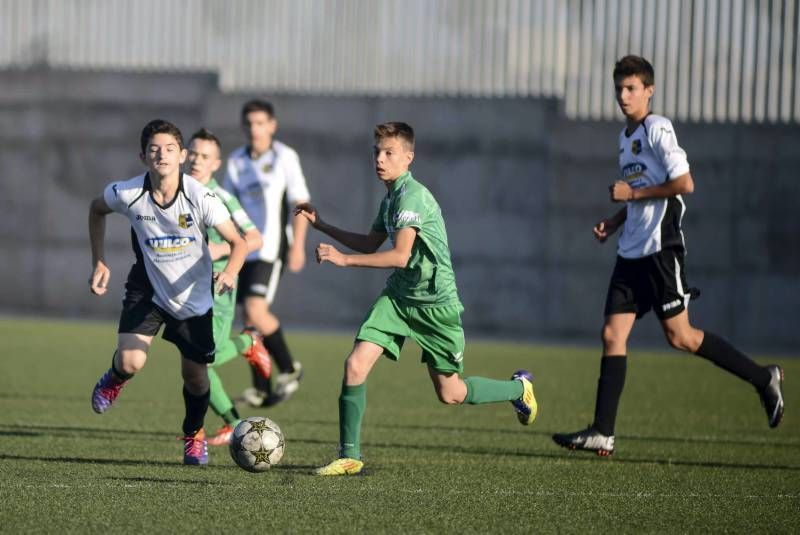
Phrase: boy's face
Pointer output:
(259, 127)
(203, 159)
(163, 155)
(392, 158)
(633, 96)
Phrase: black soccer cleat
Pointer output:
(588, 439)
(772, 395)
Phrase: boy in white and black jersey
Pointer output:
(171, 282)
(266, 177)
(649, 272)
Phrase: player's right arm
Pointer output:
(607, 227)
(363, 243)
(98, 210)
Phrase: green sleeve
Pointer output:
(411, 209)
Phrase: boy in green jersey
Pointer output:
(202, 161)
(420, 299)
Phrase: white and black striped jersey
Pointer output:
(169, 242)
(647, 157)
(268, 188)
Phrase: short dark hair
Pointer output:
(257, 105)
(206, 135)
(398, 130)
(159, 126)
(635, 66)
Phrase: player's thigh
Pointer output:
(668, 280)
(139, 321)
(440, 334)
(680, 334)
(132, 351)
(193, 336)
(616, 331)
(449, 387)
(385, 325)
(359, 363)
(224, 314)
(628, 288)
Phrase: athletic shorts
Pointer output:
(437, 330)
(260, 279)
(193, 336)
(657, 282)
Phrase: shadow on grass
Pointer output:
(160, 480)
(572, 456)
(34, 430)
(88, 460)
(528, 431)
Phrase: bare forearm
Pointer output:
(97, 234)
(353, 240)
(383, 259)
(300, 227)
(236, 258)
(620, 217)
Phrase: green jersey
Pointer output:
(428, 278)
(237, 214)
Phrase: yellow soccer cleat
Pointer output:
(526, 406)
(341, 467)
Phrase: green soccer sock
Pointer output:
(352, 403)
(219, 401)
(482, 390)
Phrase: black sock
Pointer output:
(730, 359)
(122, 376)
(259, 383)
(609, 390)
(196, 407)
(276, 346)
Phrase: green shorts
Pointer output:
(437, 330)
(224, 313)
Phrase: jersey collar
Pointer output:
(400, 181)
(148, 187)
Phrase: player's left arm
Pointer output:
(296, 255)
(296, 193)
(226, 279)
(662, 138)
(396, 257)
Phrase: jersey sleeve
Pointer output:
(411, 210)
(296, 188)
(665, 145)
(113, 197)
(238, 214)
(212, 209)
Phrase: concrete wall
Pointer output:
(520, 187)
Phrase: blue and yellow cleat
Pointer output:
(526, 406)
(341, 467)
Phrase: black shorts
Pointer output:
(655, 282)
(259, 278)
(194, 336)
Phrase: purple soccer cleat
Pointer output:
(526, 406)
(106, 391)
(195, 448)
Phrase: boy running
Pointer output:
(649, 273)
(202, 162)
(420, 299)
(171, 281)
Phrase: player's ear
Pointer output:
(410, 157)
(184, 154)
(216, 165)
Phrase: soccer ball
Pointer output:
(257, 444)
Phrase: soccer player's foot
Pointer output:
(526, 406)
(287, 384)
(223, 436)
(257, 356)
(195, 448)
(772, 395)
(588, 439)
(341, 467)
(253, 397)
(106, 391)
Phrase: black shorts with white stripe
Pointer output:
(259, 279)
(656, 282)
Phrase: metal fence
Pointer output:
(715, 60)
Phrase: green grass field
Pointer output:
(694, 452)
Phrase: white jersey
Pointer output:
(268, 188)
(170, 242)
(648, 157)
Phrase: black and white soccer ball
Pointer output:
(257, 444)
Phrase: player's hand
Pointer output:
(296, 259)
(307, 210)
(329, 253)
(620, 191)
(603, 230)
(98, 282)
(223, 283)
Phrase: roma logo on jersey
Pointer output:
(185, 220)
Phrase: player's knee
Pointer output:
(355, 372)
(449, 397)
(611, 336)
(681, 340)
